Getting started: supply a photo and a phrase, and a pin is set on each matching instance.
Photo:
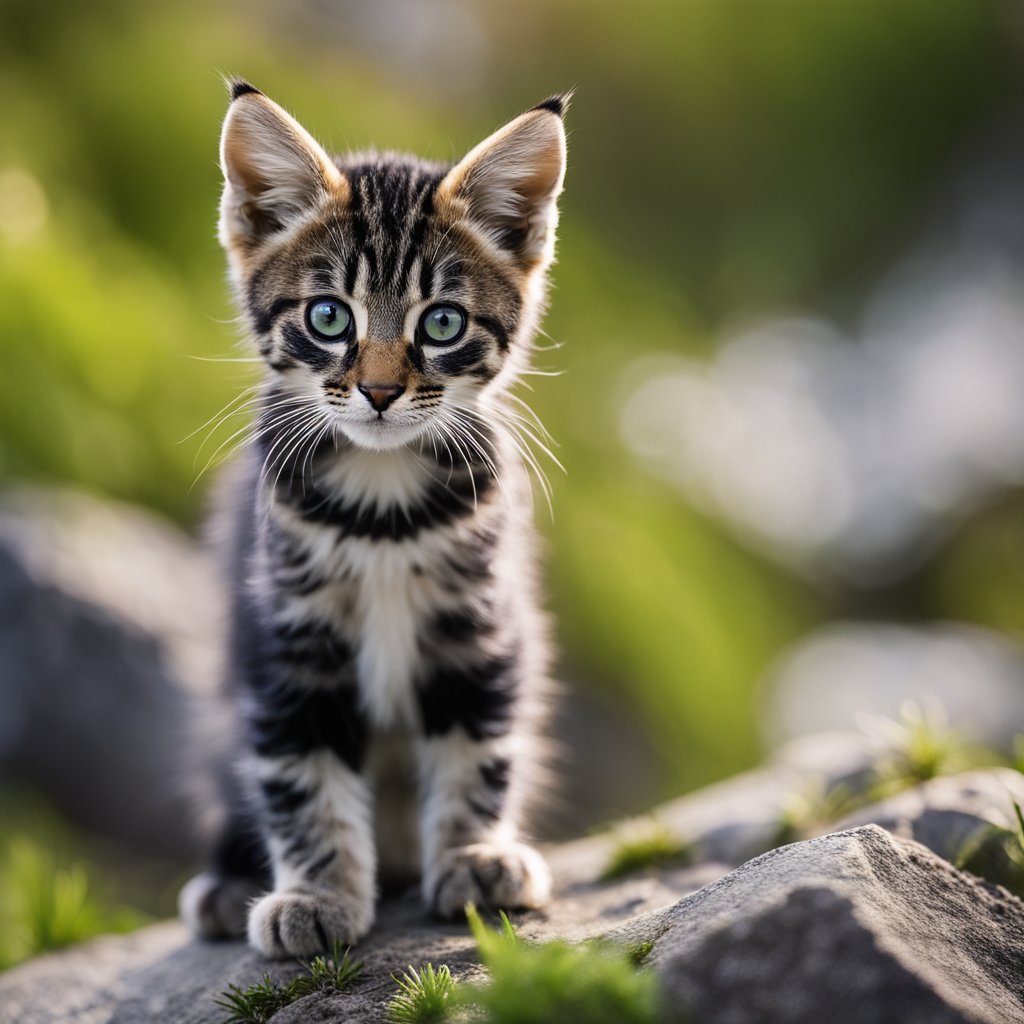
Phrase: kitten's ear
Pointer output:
(510, 182)
(273, 168)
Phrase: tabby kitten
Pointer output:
(388, 657)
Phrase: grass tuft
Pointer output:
(535, 983)
(996, 854)
(425, 996)
(646, 843)
(48, 907)
(257, 1003)
(813, 808)
(918, 746)
(331, 974)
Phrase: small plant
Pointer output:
(334, 973)
(997, 854)
(645, 844)
(813, 808)
(261, 1000)
(425, 995)
(555, 981)
(255, 1004)
(48, 907)
(919, 746)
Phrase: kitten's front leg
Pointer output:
(469, 832)
(318, 825)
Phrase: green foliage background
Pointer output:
(726, 157)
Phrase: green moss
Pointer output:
(425, 996)
(646, 844)
(637, 952)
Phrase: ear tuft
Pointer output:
(240, 87)
(558, 104)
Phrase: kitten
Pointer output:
(388, 656)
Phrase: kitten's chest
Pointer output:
(377, 593)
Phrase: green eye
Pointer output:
(329, 319)
(441, 325)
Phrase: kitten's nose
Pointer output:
(380, 396)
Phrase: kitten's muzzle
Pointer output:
(380, 396)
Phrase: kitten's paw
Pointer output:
(510, 877)
(214, 907)
(304, 922)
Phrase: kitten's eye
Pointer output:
(441, 325)
(329, 319)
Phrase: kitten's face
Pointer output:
(386, 293)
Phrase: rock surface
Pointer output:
(105, 627)
(946, 812)
(856, 927)
(161, 974)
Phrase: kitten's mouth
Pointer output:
(380, 432)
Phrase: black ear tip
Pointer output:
(240, 87)
(558, 105)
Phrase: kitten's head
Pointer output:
(388, 292)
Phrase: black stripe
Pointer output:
(416, 360)
(301, 346)
(264, 319)
(460, 624)
(426, 279)
(488, 323)
(320, 863)
(481, 698)
(442, 503)
(293, 723)
(283, 797)
(461, 359)
(495, 774)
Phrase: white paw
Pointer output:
(510, 877)
(304, 922)
(214, 907)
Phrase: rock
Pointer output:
(945, 812)
(729, 822)
(107, 619)
(851, 671)
(161, 974)
(856, 927)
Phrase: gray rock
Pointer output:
(856, 927)
(729, 822)
(107, 615)
(849, 672)
(161, 974)
(946, 812)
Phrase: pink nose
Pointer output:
(380, 396)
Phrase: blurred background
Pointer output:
(788, 319)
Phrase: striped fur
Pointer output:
(388, 655)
